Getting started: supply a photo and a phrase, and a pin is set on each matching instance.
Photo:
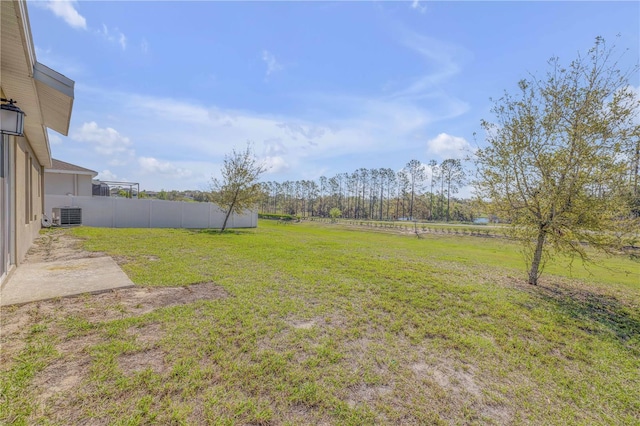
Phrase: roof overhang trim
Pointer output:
(71, 172)
(55, 92)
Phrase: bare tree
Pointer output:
(322, 188)
(391, 182)
(403, 187)
(453, 175)
(433, 166)
(416, 174)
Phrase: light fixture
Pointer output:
(11, 118)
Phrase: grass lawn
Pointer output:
(312, 323)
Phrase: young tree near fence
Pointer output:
(238, 189)
(555, 164)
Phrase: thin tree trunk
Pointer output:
(636, 169)
(381, 197)
(397, 206)
(537, 257)
(431, 206)
(226, 218)
(411, 205)
(448, 198)
(431, 199)
(364, 211)
(441, 201)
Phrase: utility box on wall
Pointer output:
(67, 216)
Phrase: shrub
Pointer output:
(335, 213)
(273, 216)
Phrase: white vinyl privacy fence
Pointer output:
(113, 212)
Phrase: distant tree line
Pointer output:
(417, 192)
(173, 195)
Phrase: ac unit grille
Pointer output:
(66, 216)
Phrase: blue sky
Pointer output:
(165, 89)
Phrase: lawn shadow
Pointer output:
(600, 313)
(231, 231)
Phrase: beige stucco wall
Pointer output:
(67, 183)
(28, 197)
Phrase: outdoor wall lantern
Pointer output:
(11, 118)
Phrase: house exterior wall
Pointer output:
(67, 183)
(27, 192)
(6, 203)
(46, 98)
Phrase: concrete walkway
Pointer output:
(36, 281)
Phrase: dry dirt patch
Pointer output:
(364, 393)
(462, 385)
(68, 372)
(115, 304)
(58, 244)
(305, 325)
(56, 384)
(140, 361)
(148, 334)
(449, 378)
(61, 377)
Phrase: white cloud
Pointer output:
(54, 139)
(105, 141)
(42, 52)
(272, 63)
(113, 36)
(274, 146)
(443, 60)
(106, 175)
(447, 146)
(144, 46)
(276, 164)
(302, 130)
(66, 10)
(196, 136)
(415, 4)
(123, 41)
(170, 110)
(154, 166)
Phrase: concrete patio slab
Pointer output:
(33, 282)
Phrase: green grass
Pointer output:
(328, 324)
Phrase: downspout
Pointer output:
(13, 211)
(42, 189)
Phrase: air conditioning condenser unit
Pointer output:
(67, 216)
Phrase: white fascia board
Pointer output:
(53, 79)
(70, 172)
